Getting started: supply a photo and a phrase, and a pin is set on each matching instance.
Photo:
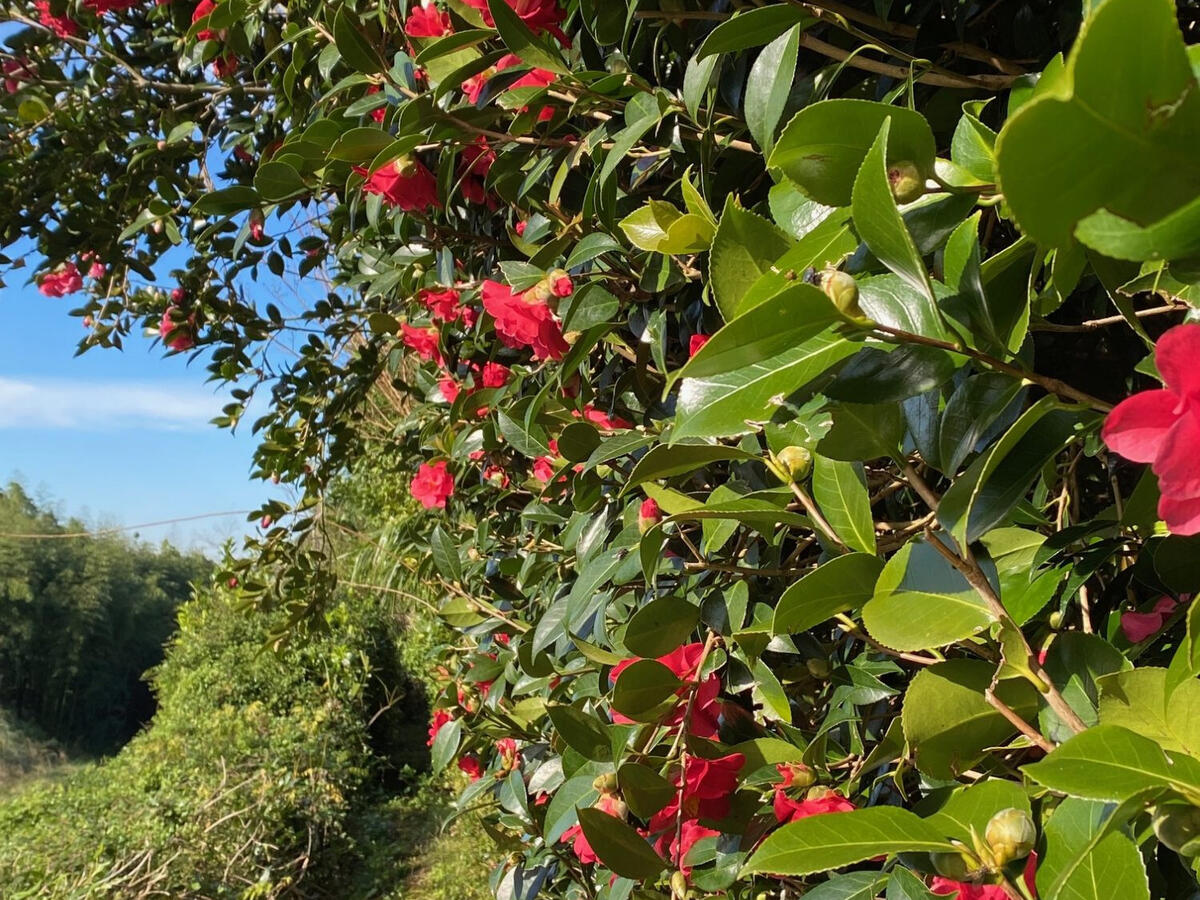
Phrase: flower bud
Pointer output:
(796, 461)
(649, 515)
(1178, 827)
(818, 668)
(257, 220)
(560, 283)
(1010, 834)
(797, 775)
(406, 167)
(679, 886)
(1056, 619)
(842, 289)
(605, 784)
(906, 181)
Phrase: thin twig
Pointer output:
(1017, 722)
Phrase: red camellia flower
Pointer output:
(102, 6)
(708, 788)
(422, 341)
(63, 26)
(789, 810)
(473, 86)
(432, 486)
(1162, 427)
(14, 72)
(967, 891)
(224, 66)
(697, 341)
(1138, 626)
(448, 388)
(601, 419)
(204, 8)
(608, 804)
(175, 331)
(425, 20)
(683, 663)
(690, 832)
(494, 375)
(470, 765)
(522, 323)
(440, 718)
(257, 221)
(509, 755)
(543, 469)
(442, 305)
(62, 281)
(538, 15)
(405, 183)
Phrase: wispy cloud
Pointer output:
(100, 405)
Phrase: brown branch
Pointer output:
(1016, 721)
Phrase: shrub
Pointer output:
(756, 365)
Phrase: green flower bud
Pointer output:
(842, 289)
(1056, 619)
(906, 181)
(819, 668)
(1010, 834)
(796, 461)
(679, 886)
(1178, 827)
(605, 784)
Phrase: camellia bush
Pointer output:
(802, 396)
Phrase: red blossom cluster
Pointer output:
(538, 15)
(425, 20)
(433, 485)
(64, 280)
(524, 321)
(684, 664)
(405, 184)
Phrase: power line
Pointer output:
(107, 531)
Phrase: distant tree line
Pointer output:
(81, 620)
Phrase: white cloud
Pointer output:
(99, 405)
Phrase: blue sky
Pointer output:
(116, 437)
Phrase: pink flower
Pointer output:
(967, 891)
(538, 15)
(205, 8)
(432, 486)
(1137, 626)
(422, 341)
(449, 388)
(521, 323)
(256, 222)
(97, 270)
(62, 281)
(469, 316)
(1162, 427)
(440, 718)
(62, 26)
(789, 810)
(426, 21)
(519, 228)
(470, 765)
(443, 305)
(502, 638)
(224, 66)
(697, 341)
(175, 331)
(405, 183)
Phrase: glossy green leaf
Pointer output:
(278, 181)
(644, 789)
(355, 49)
(769, 85)
(875, 375)
(678, 459)
(582, 732)
(661, 626)
(642, 687)
(1125, 144)
(752, 28)
(823, 147)
(1138, 699)
(971, 807)
(833, 840)
(1174, 236)
(1086, 859)
(878, 220)
(970, 412)
(744, 248)
(921, 601)
(534, 50)
(843, 583)
(840, 491)
(1112, 763)
(948, 723)
(619, 846)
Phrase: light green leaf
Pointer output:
(678, 459)
(744, 248)
(534, 50)
(768, 87)
(1086, 858)
(1174, 236)
(1125, 144)
(752, 28)
(878, 220)
(840, 491)
(833, 840)
(823, 147)
(1137, 699)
